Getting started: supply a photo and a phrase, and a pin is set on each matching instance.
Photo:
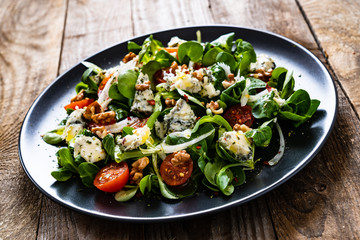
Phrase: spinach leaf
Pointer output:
(133, 47)
(62, 174)
(297, 119)
(288, 87)
(149, 48)
(190, 51)
(126, 193)
(188, 97)
(228, 59)
(261, 136)
(219, 76)
(79, 86)
(219, 120)
(55, 136)
(209, 57)
(165, 59)
(283, 80)
(232, 94)
(88, 80)
(299, 102)
(87, 173)
(115, 94)
(224, 42)
(266, 107)
(256, 84)
(157, 111)
(66, 160)
(211, 169)
(244, 54)
(150, 69)
(108, 143)
(126, 83)
(225, 178)
(145, 183)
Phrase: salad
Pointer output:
(172, 121)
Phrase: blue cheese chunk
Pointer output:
(237, 143)
(89, 148)
(263, 62)
(143, 98)
(135, 140)
(208, 89)
(74, 124)
(180, 118)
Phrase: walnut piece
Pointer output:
(242, 127)
(93, 108)
(142, 87)
(79, 96)
(262, 75)
(104, 118)
(199, 74)
(130, 56)
(173, 67)
(214, 107)
(180, 158)
(170, 102)
(137, 169)
(101, 131)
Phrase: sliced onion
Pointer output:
(166, 148)
(280, 153)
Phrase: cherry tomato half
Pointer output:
(175, 175)
(112, 177)
(238, 114)
(79, 104)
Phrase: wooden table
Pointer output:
(41, 39)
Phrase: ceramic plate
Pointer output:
(38, 158)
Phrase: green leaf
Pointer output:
(145, 183)
(87, 173)
(126, 193)
(126, 83)
(86, 78)
(61, 174)
(108, 143)
(157, 111)
(134, 47)
(115, 94)
(210, 56)
(164, 58)
(261, 136)
(191, 50)
(266, 107)
(228, 59)
(244, 54)
(219, 120)
(66, 160)
(187, 97)
(55, 136)
(151, 68)
(219, 76)
(224, 41)
(288, 87)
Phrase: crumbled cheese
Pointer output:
(160, 129)
(208, 89)
(262, 62)
(74, 124)
(118, 126)
(184, 81)
(175, 42)
(138, 138)
(180, 118)
(89, 148)
(142, 99)
(237, 143)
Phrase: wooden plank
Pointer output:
(324, 195)
(90, 26)
(30, 39)
(337, 28)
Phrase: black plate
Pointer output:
(38, 158)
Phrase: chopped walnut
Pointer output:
(180, 158)
(104, 118)
(79, 96)
(214, 107)
(137, 169)
(184, 66)
(142, 87)
(262, 75)
(92, 109)
(231, 77)
(173, 67)
(199, 75)
(242, 127)
(170, 102)
(226, 84)
(101, 132)
(130, 56)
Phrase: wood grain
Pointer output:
(30, 39)
(336, 25)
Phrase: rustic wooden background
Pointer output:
(41, 39)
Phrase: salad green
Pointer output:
(179, 119)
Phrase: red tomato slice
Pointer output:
(112, 177)
(79, 104)
(175, 175)
(239, 115)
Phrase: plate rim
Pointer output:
(205, 212)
